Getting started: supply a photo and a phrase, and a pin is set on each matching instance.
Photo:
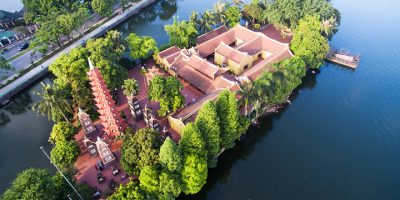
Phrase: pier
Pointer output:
(343, 57)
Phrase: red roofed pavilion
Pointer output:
(110, 119)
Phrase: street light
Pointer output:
(80, 197)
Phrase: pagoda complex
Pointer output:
(109, 116)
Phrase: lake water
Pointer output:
(339, 139)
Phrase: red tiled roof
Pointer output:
(203, 66)
(212, 34)
(207, 48)
(230, 53)
(169, 51)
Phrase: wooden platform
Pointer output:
(343, 58)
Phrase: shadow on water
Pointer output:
(246, 146)
(18, 106)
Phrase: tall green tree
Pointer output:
(103, 7)
(255, 13)
(140, 47)
(51, 104)
(166, 90)
(105, 53)
(31, 184)
(170, 156)
(140, 150)
(129, 191)
(308, 43)
(207, 121)
(232, 15)
(228, 113)
(149, 179)
(181, 33)
(65, 153)
(169, 185)
(62, 132)
(207, 21)
(192, 141)
(194, 173)
(130, 87)
(219, 12)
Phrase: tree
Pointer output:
(65, 153)
(207, 121)
(170, 156)
(129, 191)
(181, 33)
(105, 54)
(247, 93)
(228, 113)
(195, 19)
(167, 92)
(194, 173)
(4, 64)
(232, 15)
(62, 132)
(308, 43)
(103, 7)
(70, 70)
(192, 141)
(149, 180)
(49, 33)
(31, 184)
(254, 13)
(219, 12)
(169, 185)
(51, 104)
(140, 47)
(140, 150)
(39, 8)
(130, 87)
(206, 22)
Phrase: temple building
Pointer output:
(109, 116)
(106, 155)
(86, 122)
(222, 59)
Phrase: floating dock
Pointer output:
(344, 58)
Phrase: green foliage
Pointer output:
(130, 87)
(4, 64)
(52, 104)
(181, 33)
(232, 15)
(140, 47)
(206, 21)
(149, 179)
(207, 121)
(140, 150)
(129, 191)
(170, 185)
(62, 132)
(65, 153)
(192, 141)
(70, 70)
(170, 156)
(105, 54)
(31, 184)
(308, 43)
(194, 173)
(103, 7)
(255, 13)
(228, 113)
(40, 8)
(166, 90)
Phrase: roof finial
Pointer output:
(90, 64)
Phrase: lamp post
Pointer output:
(80, 197)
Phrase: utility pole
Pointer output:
(45, 153)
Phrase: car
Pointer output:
(23, 46)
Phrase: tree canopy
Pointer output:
(166, 90)
(194, 173)
(207, 121)
(181, 33)
(170, 156)
(31, 184)
(65, 153)
(139, 150)
(140, 47)
(103, 7)
(62, 132)
(232, 15)
(308, 43)
(192, 141)
(129, 191)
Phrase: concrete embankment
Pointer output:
(13, 88)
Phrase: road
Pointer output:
(12, 88)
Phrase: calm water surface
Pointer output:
(339, 139)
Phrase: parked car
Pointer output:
(23, 46)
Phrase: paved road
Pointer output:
(17, 85)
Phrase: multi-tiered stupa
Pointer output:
(110, 118)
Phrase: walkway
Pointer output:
(33, 75)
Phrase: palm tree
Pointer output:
(248, 95)
(238, 3)
(329, 26)
(51, 102)
(219, 9)
(194, 18)
(206, 21)
(131, 88)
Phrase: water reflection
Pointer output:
(18, 106)
(168, 9)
